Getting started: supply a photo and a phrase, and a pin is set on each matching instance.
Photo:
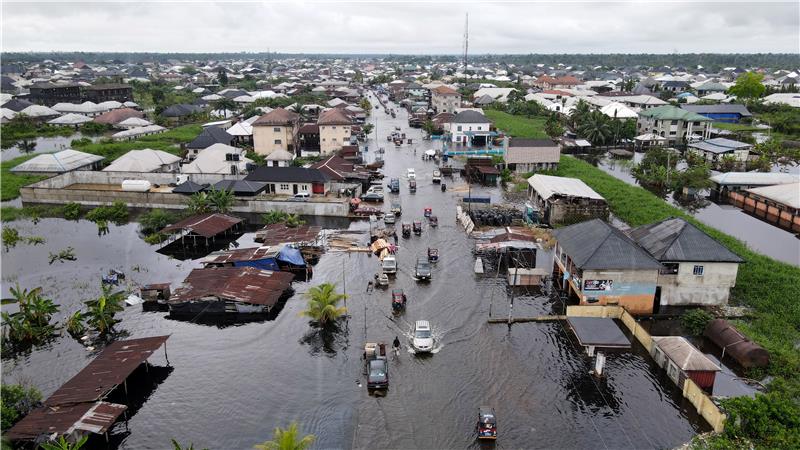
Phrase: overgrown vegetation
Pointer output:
(695, 321)
(290, 220)
(17, 402)
(10, 182)
(771, 288)
(67, 254)
(167, 141)
(518, 126)
(30, 325)
(116, 213)
(22, 127)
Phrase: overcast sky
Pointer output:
(403, 27)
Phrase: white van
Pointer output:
(389, 264)
(411, 174)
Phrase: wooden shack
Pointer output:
(683, 360)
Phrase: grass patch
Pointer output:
(167, 141)
(736, 127)
(11, 182)
(518, 126)
(768, 286)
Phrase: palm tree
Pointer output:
(198, 203)
(294, 221)
(582, 109)
(221, 200)
(177, 446)
(100, 315)
(595, 128)
(287, 439)
(322, 301)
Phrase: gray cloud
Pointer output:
(403, 27)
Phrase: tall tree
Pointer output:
(748, 87)
(596, 128)
(322, 304)
(287, 439)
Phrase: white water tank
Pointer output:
(136, 185)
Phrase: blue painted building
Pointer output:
(729, 113)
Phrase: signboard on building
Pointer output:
(598, 285)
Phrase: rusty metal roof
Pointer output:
(279, 233)
(241, 254)
(206, 225)
(108, 370)
(238, 284)
(91, 417)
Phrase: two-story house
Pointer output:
(677, 126)
(334, 130)
(470, 128)
(445, 99)
(275, 130)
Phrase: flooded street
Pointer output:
(759, 235)
(232, 385)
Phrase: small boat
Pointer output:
(428, 212)
(433, 221)
(433, 254)
(486, 427)
(417, 227)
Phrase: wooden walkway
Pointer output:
(527, 319)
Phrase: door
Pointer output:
(657, 300)
(294, 188)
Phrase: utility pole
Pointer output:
(466, 46)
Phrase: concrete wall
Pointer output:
(333, 137)
(264, 137)
(685, 288)
(634, 290)
(699, 398)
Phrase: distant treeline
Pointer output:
(689, 61)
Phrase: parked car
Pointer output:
(422, 271)
(423, 338)
(372, 197)
(301, 197)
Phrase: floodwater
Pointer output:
(230, 386)
(759, 235)
(48, 144)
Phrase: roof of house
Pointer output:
(278, 116)
(598, 332)
(712, 86)
(134, 122)
(240, 129)
(334, 166)
(280, 155)
(754, 178)
(470, 116)
(58, 162)
(685, 355)
(547, 186)
(309, 128)
(16, 104)
(70, 119)
(334, 116)
(677, 240)
(240, 186)
(444, 90)
(669, 112)
(517, 142)
(146, 160)
(286, 174)
(213, 160)
(595, 244)
(39, 111)
(181, 110)
(719, 145)
(136, 131)
(102, 87)
(189, 187)
(238, 284)
(722, 108)
(207, 225)
(118, 115)
(787, 194)
(619, 111)
(209, 137)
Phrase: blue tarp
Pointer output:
(263, 264)
(291, 256)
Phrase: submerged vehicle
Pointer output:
(389, 264)
(398, 300)
(422, 271)
(487, 423)
(433, 255)
(427, 212)
(412, 186)
(376, 365)
(406, 229)
(423, 338)
(433, 221)
(417, 227)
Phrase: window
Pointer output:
(304, 187)
(333, 128)
(277, 141)
(459, 128)
(284, 187)
(698, 271)
(479, 128)
(277, 129)
(674, 122)
(669, 269)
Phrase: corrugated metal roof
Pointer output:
(59, 162)
(206, 225)
(108, 370)
(754, 178)
(279, 233)
(238, 284)
(684, 354)
(547, 186)
(598, 332)
(787, 194)
(597, 245)
(59, 420)
(241, 254)
(677, 240)
(719, 145)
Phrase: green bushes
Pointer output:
(154, 220)
(94, 128)
(72, 211)
(695, 321)
(17, 401)
(116, 213)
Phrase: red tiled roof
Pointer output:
(556, 92)
(118, 115)
(334, 116)
(444, 90)
(277, 116)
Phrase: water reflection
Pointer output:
(326, 340)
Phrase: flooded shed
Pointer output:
(682, 360)
(746, 352)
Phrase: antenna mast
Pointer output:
(466, 46)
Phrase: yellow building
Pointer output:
(275, 130)
(334, 130)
